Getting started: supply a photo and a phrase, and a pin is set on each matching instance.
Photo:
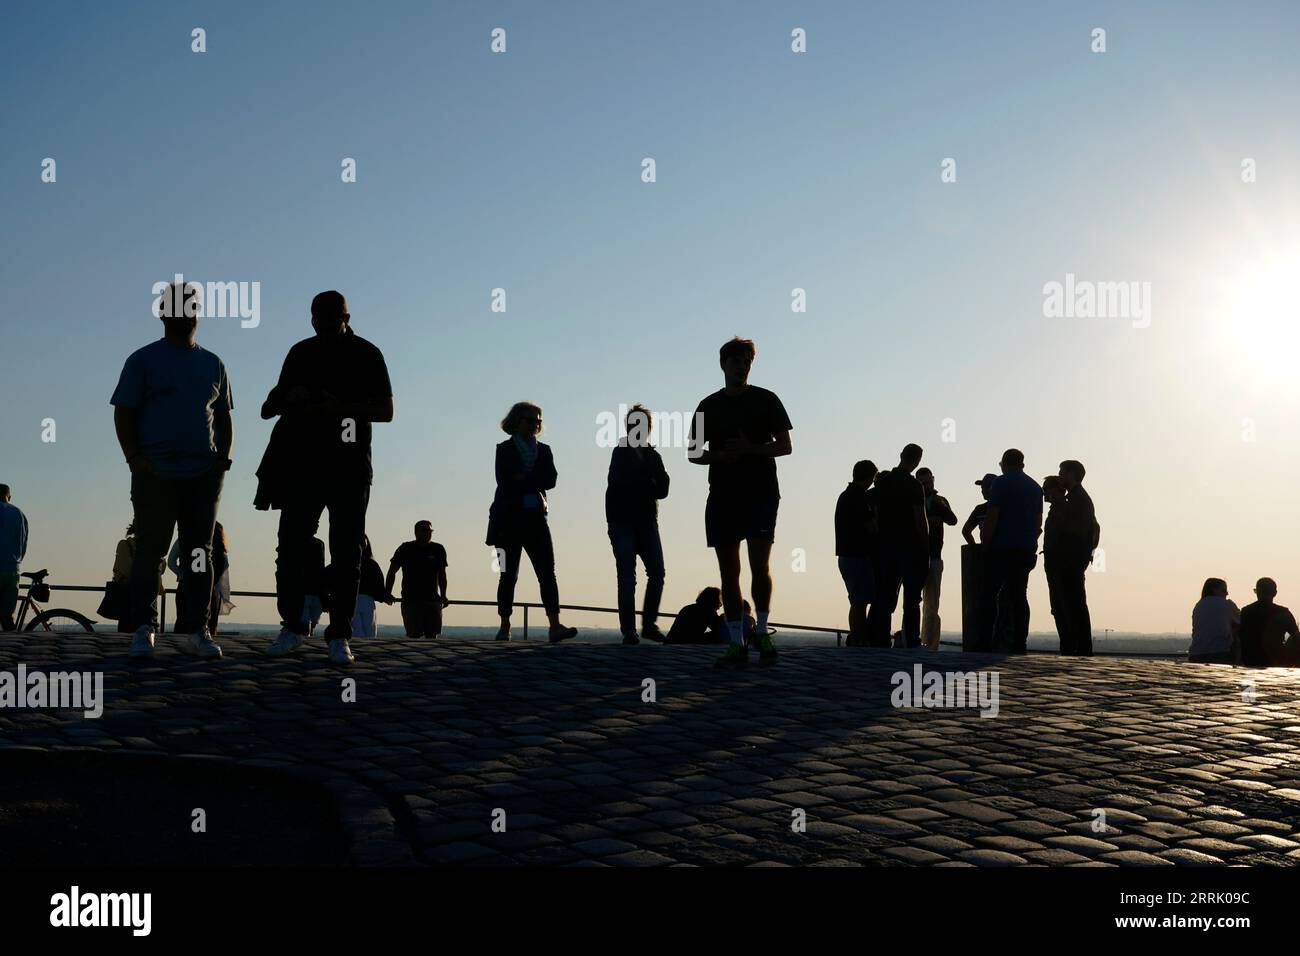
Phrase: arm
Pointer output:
(223, 429)
(990, 525)
(661, 478)
(442, 586)
(967, 530)
(777, 448)
(390, 581)
(945, 512)
(125, 421)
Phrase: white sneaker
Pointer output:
(201, 644)
(340, 653)
(285, 643)
(142, 642)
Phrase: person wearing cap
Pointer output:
(1078, 538)
(423, 563)
(1010, 542)
(1265, 627)
(332, 387)
(937, 514)
(976, 520)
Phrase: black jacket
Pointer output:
(636, 483)
(507, 510)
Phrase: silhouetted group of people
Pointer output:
(1261, 634)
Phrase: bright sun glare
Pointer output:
(1265, 314)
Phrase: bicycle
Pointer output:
(49, 619)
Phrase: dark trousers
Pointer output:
(629, 542)
(1067, 566)
(187, 506)
(347, 500)
(532, 534)
(895, 570)
(1004, 600)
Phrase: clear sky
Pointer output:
(775, 170)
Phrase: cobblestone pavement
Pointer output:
(1189, 769)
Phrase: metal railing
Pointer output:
(526, 605)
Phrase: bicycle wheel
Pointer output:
(59, 619)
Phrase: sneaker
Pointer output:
(629, 637)
(142, 642)
(285, 643)
(652, 633)
(561, 633)
(737, 655)
(340, 653)
(504, 633)
(766, 648)
(201, 644)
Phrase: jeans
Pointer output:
(894, 570)
(8, 598)
(629, 542)
(187, 506)
(347, 500)
(530, 533)
(1004, 600)
(1072, 599)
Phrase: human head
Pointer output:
(736, 356)
(1013, 459)
(710, 599)
(1214, 587)
(4, 493)
(926, 477)
(986, 484)
(423, 532)
(179, 308)
(864, 472)
(1071, 473)
(329, 313)
(1053, 489)
(1266, 590)
(637, 423)
(523, 419)
(909, 458)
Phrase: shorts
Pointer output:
(731, 517)
(859, 578)
(421, 618)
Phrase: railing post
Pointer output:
(162, 613)
(838, 642)
(525, 622)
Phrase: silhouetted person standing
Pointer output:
(637, 482)
(13, 548)
(172, 416)
(332, 387)
(981, 511)
(937, 514)
(1054, 496)
(904, 557)
(855, 548)
(1010, 541)
(745, 429)
(1265, 627)
(525, 471)
(423, 563)
(1079, 535)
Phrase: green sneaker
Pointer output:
(737, 655)
(766, 648)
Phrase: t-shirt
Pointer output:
(175, 389)
(353, 371)
(1263, 633)
(1212, 620)
(1079, 518)
(1019, 500)
(697, 625)
(420, 564)
(938, 513)
(897, 493)
(854, 513)
(755, 413)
